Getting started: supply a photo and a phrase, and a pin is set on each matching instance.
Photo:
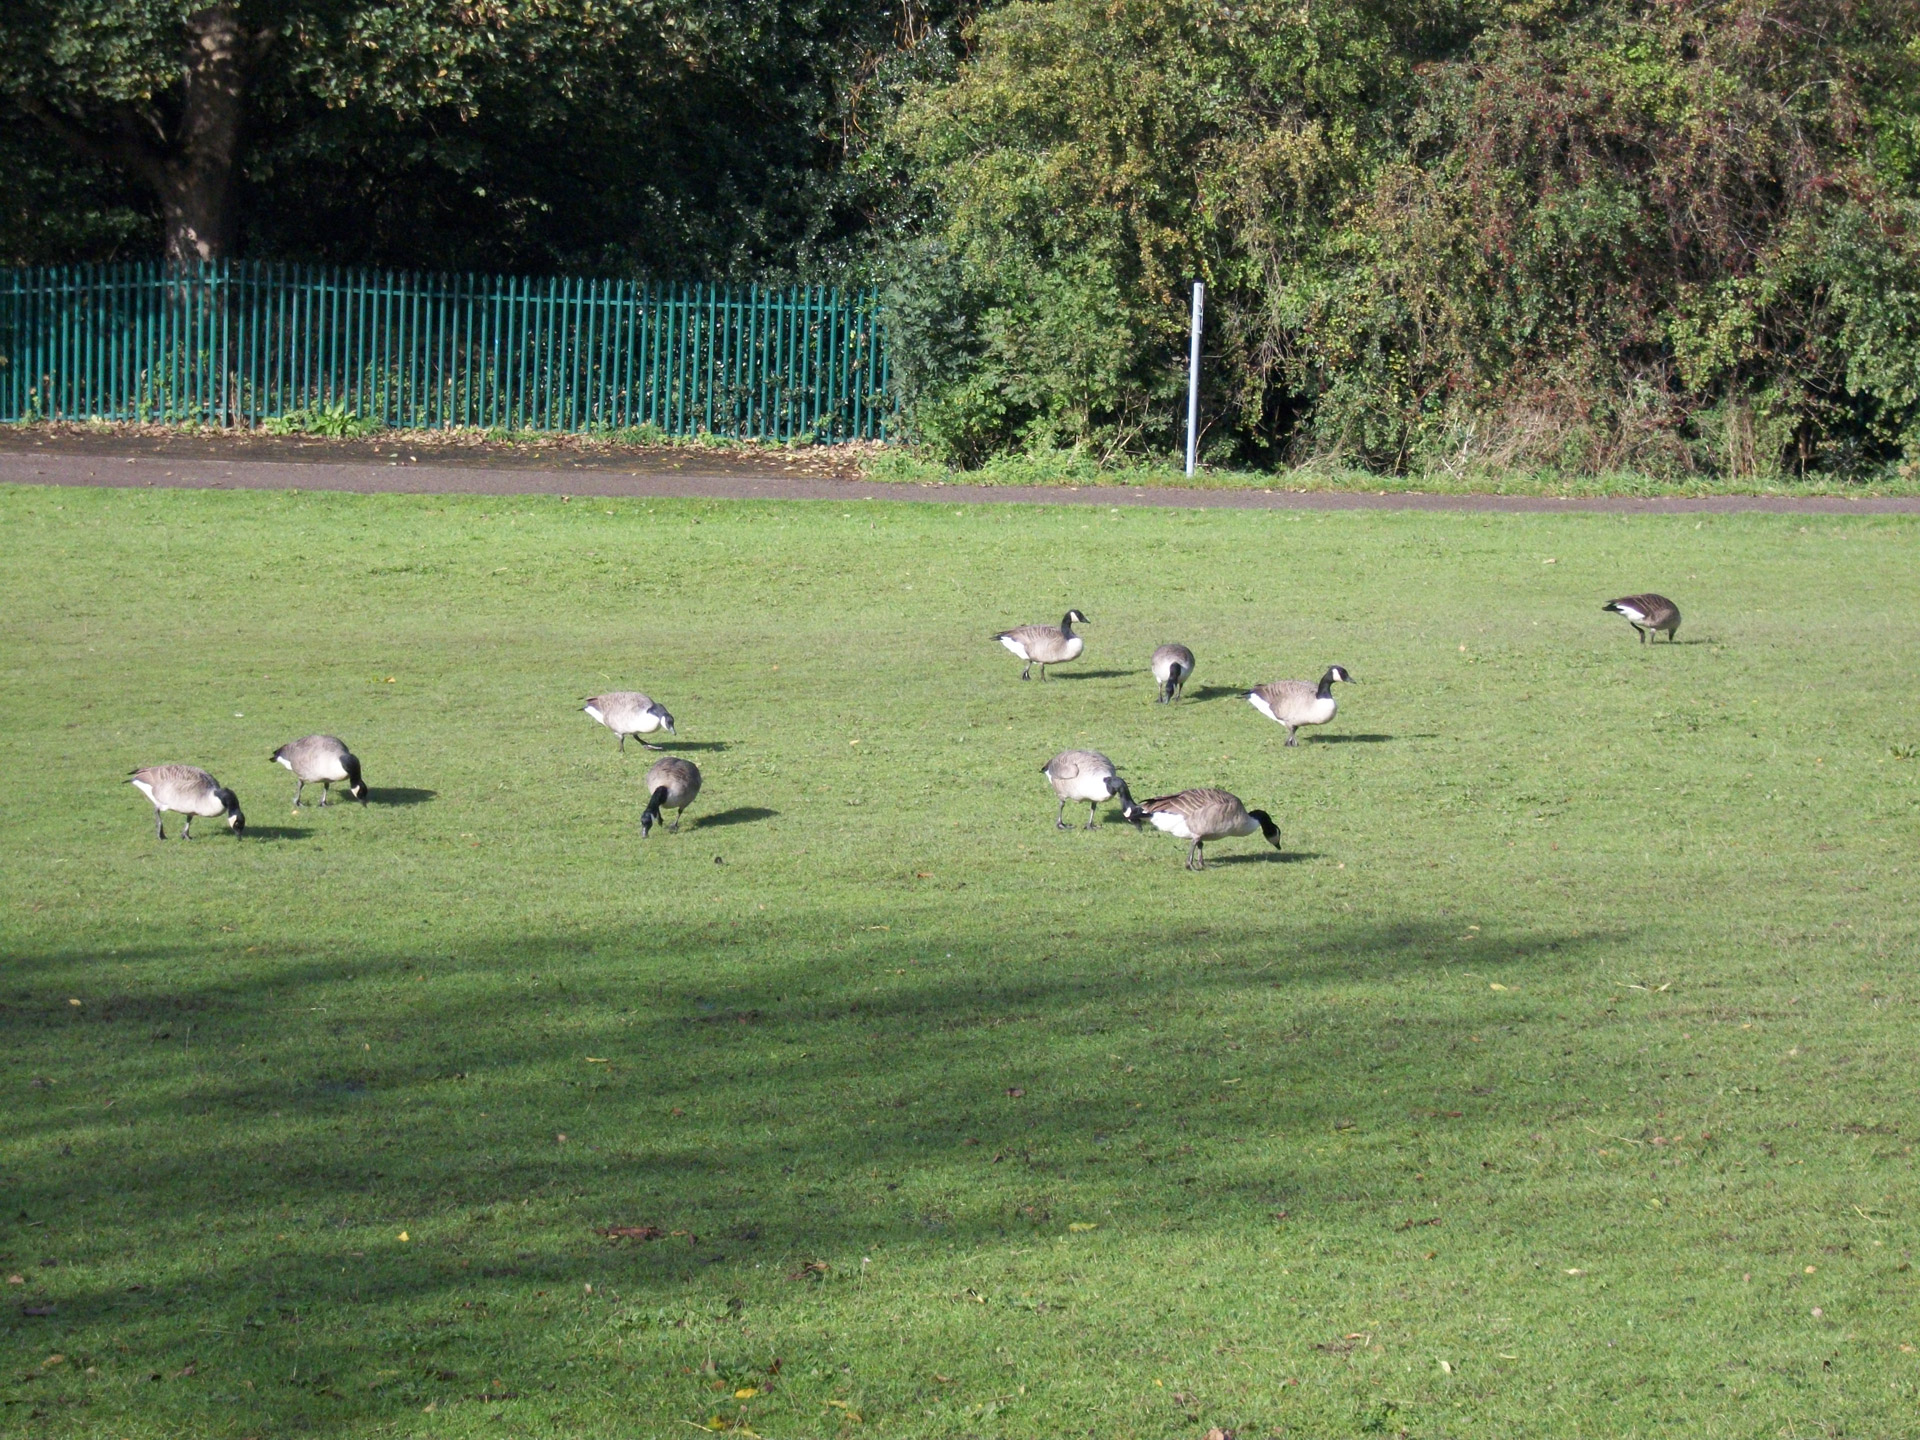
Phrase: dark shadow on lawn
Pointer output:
(1263, 857)
(1352, 739)
(399, 795)
(738, 815)
(275, 832)
(830, 1090)
(1092, 674)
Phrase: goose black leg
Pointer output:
(1027, 673)
(676, 821)
(299, 787)
(1092, 824)
(160, 823)
(326, 790)
(186, 828)
(623, 744)
(1196, 856)
(1060, 817)
(1292, 739)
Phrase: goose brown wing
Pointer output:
(176, 782)
(1205, 809)
(1286, 696)
(1042, 642)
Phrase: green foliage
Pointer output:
(335, 422)
(1668, 238)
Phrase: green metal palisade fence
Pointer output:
(238, 343)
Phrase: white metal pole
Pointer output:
(1193, 377)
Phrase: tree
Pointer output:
(154, 88)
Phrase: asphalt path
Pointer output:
(695, 478)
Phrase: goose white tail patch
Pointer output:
(1014, 645)
(282, 760)
(1259, 702)
(1172, 824)
(1632, 612)
(144, 788)
(593, 711)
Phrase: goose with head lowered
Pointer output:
(1045, 645)
(1202, 815)
(628, 712)
(672, 784)
(321, 760)
(186, 790)
(1083, 775)
(1647, 614)
(1294, 703)
(1172, 668)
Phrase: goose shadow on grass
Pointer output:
(679, 745)
(738, 815)
(274, 832)
(1091, 675)
(1264, 857)
(1215, 692)
(1349, 739)
(396, 795)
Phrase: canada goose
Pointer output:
(1172, 668)
(1203, 815)
(1647, 613)
(1083, 775)
(189, 791)
(1045, 645)
(672, 784)
(1294, 703)
(322, 759)
(628, 712)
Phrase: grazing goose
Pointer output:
(1172, 667)
(1203, 815)
(1045, 645)
(1083, 775)
(628, 712)
(1294, 703)
(323, 760)
(187, 790)
(672, 784)
(1647, 613)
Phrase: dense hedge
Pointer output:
(1673, 237)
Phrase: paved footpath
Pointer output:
(702, 479)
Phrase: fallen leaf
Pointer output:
(402, 1237)
(1446, 1367)
(1496, 985)
(812, 1270)
(1216, 1433)
(73, 1002)
(940, 1379)
(37, 1310)
(746, 1392)
(185, 1371)
(596, 1060)
(16, 1279)
(1818, 1313)
(1576, 1272)
(1015, 1092)
(53, 1360)
(1079, 1226)
(631, 1232)
(923, 875)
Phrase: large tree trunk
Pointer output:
(195, 181)
(186, 158)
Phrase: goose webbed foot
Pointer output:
(326, 793)
(1092, 824)
(674, 828)
(651, 746)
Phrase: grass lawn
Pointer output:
(1558, 1079)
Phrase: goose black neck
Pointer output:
(1325, 692)
(1066, 623)
(654, 802)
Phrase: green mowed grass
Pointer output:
(1557, 1079)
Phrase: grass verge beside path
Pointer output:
(1556, 1080)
